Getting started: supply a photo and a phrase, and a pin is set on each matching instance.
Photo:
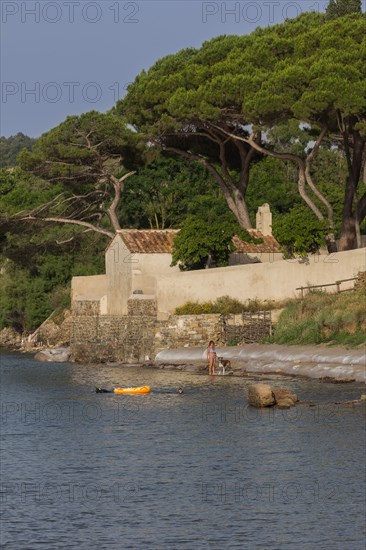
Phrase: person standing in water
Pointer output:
(211, 357)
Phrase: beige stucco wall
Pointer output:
(147, 268)
(90, 288)
(241, 258)
(118, 264)
(269, 281)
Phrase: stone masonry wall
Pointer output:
(85, 307)
(134, 338)
(187, 331)
(103, 338)
(138, 306)
(138, 338)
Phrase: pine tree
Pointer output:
(337, 8)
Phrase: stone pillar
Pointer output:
(264, 220)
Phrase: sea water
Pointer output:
(167, 471)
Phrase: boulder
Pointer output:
(284, 403)
(281, 394)
(55, 355)
(260, 395)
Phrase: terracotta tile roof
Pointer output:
(148, 241)
(269, 244)
(160, 241)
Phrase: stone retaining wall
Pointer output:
(104, 338)
(142, 306)
(247, 328)
(85, 307)
(187, 331)
(138, 338)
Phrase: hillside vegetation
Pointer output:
(336, 319)
(321, 318)
(199, 141)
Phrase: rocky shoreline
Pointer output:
(260, 391)
(325, 363)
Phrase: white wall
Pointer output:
(267, 281)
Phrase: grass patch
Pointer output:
(225, 305)
(335, 319)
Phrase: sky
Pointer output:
(66, 57)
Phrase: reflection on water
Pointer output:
(202, 470)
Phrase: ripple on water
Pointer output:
(166, 471)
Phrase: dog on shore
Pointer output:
(224, 364)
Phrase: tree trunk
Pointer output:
(347, 239)
(354, 148)
(242, 209)
(331, 243)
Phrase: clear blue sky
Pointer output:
(65, 57)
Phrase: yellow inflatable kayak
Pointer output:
(140, 389)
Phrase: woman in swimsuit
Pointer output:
(211, 356)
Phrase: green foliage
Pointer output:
(23, 302)
(324, 318)
(195, 308)
(199, 244)
(225, 305)
(299, 232)
(82, 149)
(20, 191)
(274, 80)
(338, 8)
(273, 182)
(233, 342)
(88, 156)
(36, 270)
(204, 242)
(11, 147)
(277, 77)
(165, 191)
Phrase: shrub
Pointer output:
(225, 305)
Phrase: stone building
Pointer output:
(127, 314)
(137, 261)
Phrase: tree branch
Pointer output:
(285, 156)
(75, 222)
(118, 185)
(309, 178)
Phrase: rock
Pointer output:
(351, 403)
(336, 380)
(282, 393)
(10, 338)
(363, 397)
(55, 355)
(260, 395)
(285, 403)
(51, 333)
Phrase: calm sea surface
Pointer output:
(163, 471)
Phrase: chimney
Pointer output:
(264, 220)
